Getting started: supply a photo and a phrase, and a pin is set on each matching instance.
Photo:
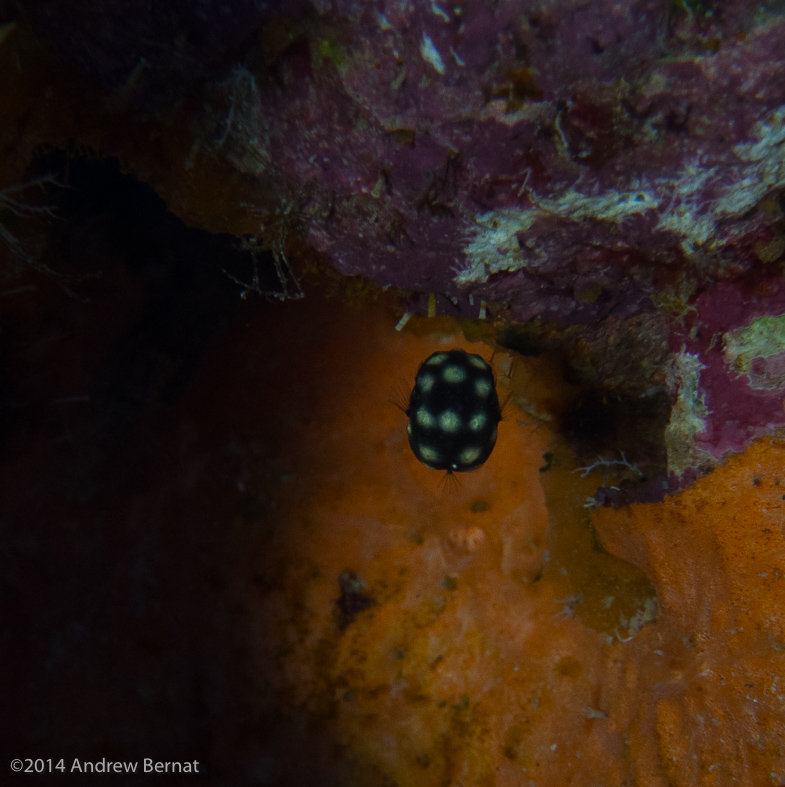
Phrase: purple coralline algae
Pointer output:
(564, 161)
(561, 160)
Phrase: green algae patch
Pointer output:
(747, 349)
(760, 339)
(688, 415)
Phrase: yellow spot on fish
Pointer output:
(482, 388)
(424, 418)
(469, 455)
(429, 454)
(426, 382)
(449, 421)
(477, 421)
(454, 374)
